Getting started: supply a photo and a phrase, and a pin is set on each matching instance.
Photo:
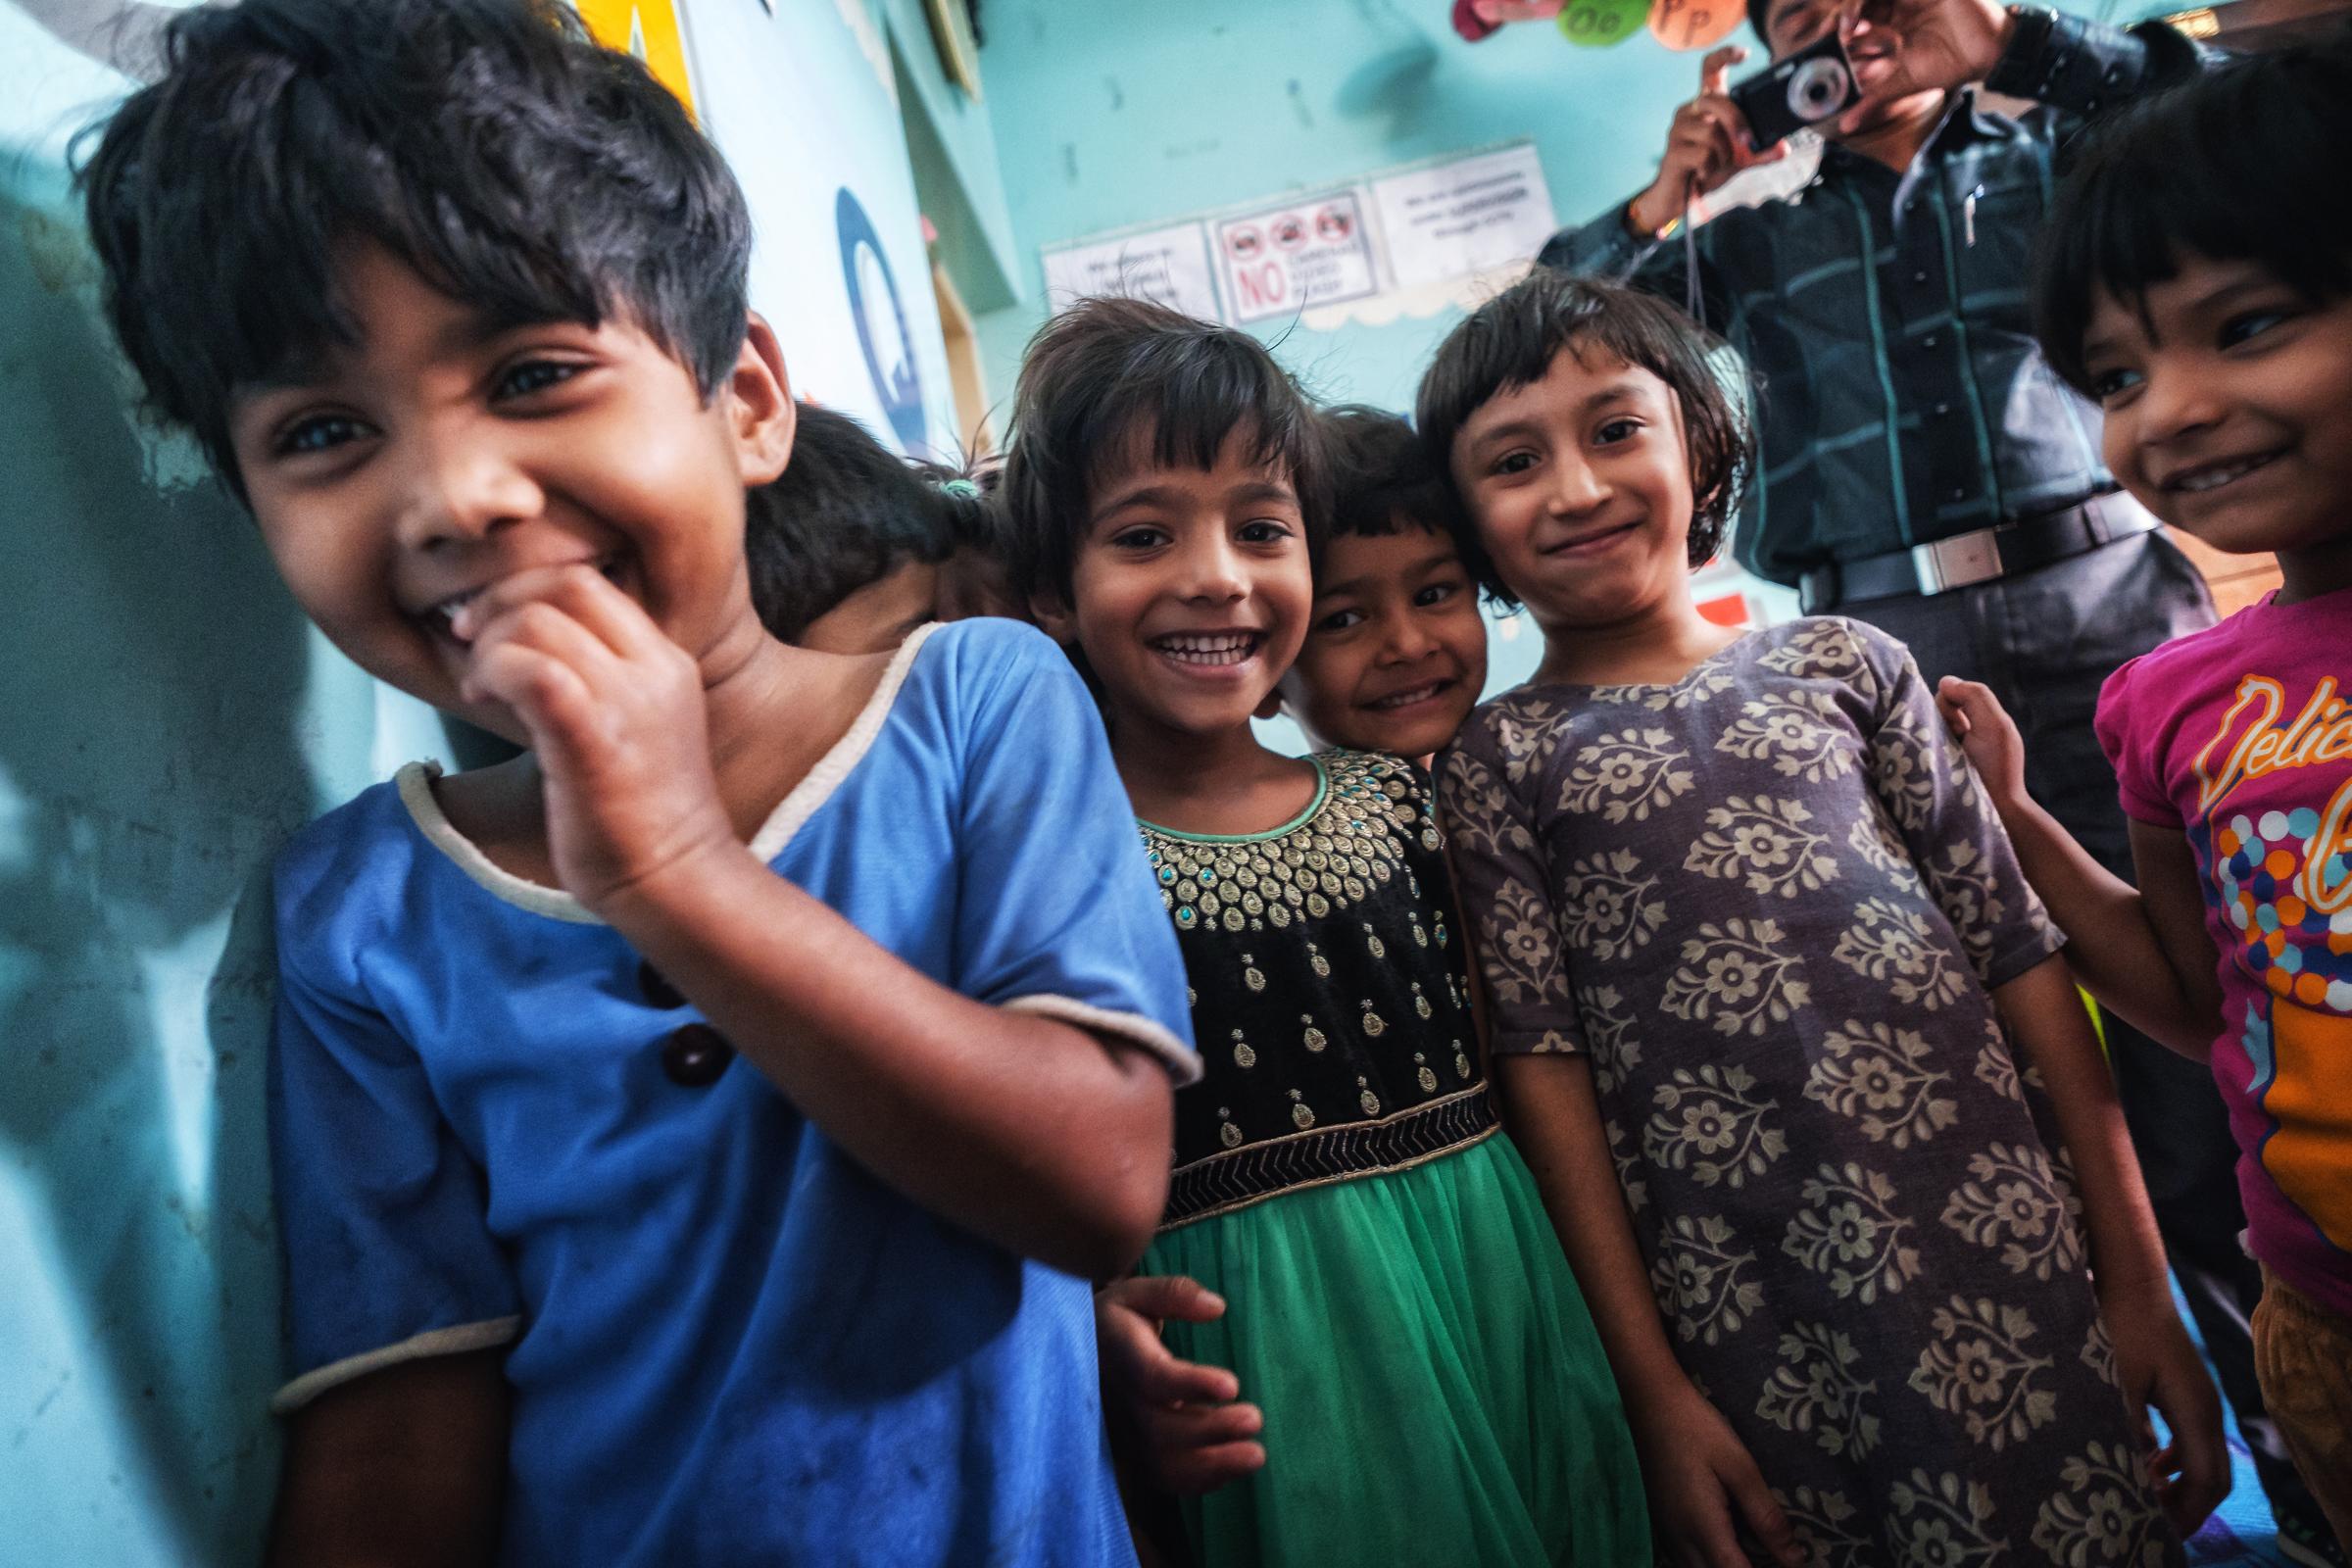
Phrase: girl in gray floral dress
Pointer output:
(1754, 941)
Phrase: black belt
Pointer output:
(1965, 559)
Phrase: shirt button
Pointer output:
(1932, 340)
(1942, 408)
(694, 1055)
(1959, 492)
(1920, 277)
(659, 992)
(2115, 76)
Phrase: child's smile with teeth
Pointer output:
(1190, 591)
(1209, 648)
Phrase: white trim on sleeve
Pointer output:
(453, 1340)
(1131, 1028)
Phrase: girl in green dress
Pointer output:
(1432, 1388)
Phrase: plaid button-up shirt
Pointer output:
(1902, 398)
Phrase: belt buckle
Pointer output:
(1960, 562)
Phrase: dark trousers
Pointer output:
(2045, 641)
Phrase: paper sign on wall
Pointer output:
(1291, 257)
(1384, 235)
(1464, 217)
(1167, 266)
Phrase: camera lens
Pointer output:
(1817, 89)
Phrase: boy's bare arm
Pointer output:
(402, 1468)
(2117, 941)
(1041, 1137)
(2155, 1360)
(1699, 1475)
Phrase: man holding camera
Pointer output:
(1925, 470)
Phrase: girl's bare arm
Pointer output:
(1699, 1475)
(403, 1468)
(2142, 950)
(2155, 1360)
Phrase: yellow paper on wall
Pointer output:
(649, 29)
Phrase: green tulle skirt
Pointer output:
(1434, 1391)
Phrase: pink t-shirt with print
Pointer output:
(2240, 737)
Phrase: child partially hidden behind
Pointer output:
(1397, 1305)
(671, 1148)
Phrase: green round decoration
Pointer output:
(1600, 23)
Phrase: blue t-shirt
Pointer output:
(729, 1342)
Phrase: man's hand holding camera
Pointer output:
(1898, 49)
(1707, 144)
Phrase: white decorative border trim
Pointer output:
(1182, 1061)
(416, 785)
(434, 1342)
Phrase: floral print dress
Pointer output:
(1768, 901)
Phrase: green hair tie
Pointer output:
(961, 487)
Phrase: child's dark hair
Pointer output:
(1511, 341)
(2229, 165)
(844, 513)
(1106, 372)
(1380, 473)
(489, 144)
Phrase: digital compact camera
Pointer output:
(1814, 84)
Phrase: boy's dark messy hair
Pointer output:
(844, 513)
(1107, 376)
(1511, 341)
(2229, 165)
(1381, 477)
(489, 144)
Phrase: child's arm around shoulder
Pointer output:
(1043, 1127)
(2142, 950)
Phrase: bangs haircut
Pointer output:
(1381, 473)
(2231, 166)
(515, 164)
(1510, 342)
(1112, 384)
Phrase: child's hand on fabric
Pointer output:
(1703, 1484)
(614, 712)
(2159, 1367)
(1987, 734)
(1192, 1433)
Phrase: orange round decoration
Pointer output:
(1694, 24)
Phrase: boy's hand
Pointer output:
(1989, 735)
(1192, 1436)
(1703, 1485)
(2160, 1368)
(614, 712)
(1707, 144)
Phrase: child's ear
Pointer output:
(760, 398)
(1054, 617)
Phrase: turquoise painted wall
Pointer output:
(165, 719)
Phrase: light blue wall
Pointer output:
(165, 719)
